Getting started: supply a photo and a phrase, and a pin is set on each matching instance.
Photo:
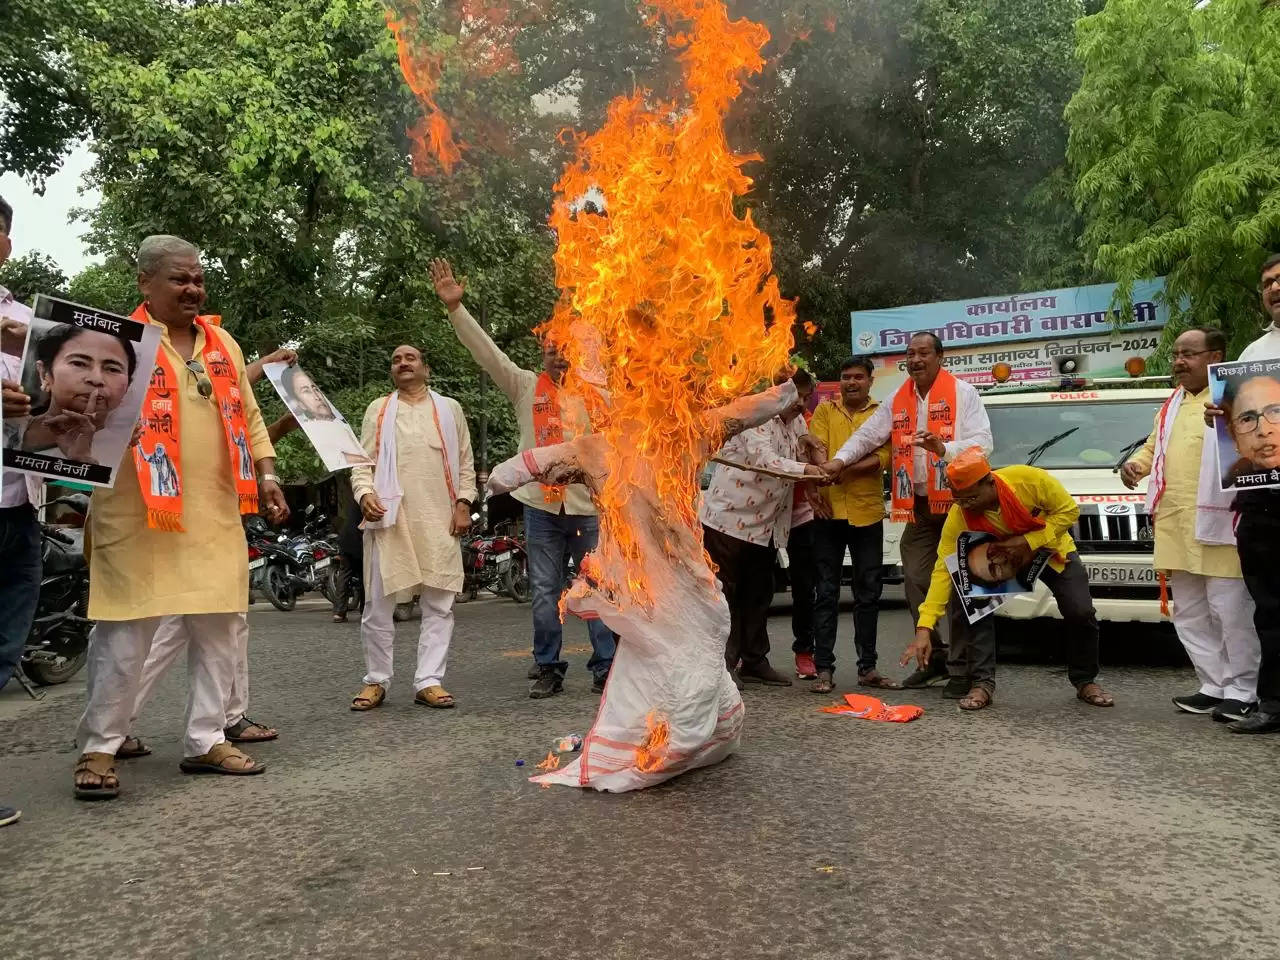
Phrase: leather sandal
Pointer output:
(371, 695)
(102, 766)
(435, 696)
(242, 732)
(1097, 697)
(131, 748)
(979, 698)
(222, 759)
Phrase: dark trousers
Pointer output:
(803, 571)
(19, 583)
(866, 550)
(351, 591)
(919, 549)
(1256, 536)
(973, 645)
(745, 571)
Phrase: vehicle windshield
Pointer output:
(1104, 430)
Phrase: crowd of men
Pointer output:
(809, 482)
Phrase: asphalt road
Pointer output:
(1041, 828)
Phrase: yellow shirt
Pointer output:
(135, 571)
(1034, 488)
(859, 500)
(1176, 545)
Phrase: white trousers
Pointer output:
(1214, 620)
(378, 630)
(117, 651)
(170, 640)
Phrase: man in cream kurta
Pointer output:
(416, 502)
(140, 574)
(1212, 609)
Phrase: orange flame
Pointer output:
(552, 762)
(667, 295)
(432, 135)
(652, 752)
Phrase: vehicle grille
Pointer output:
(1098, 531)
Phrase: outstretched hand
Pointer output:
(919, 649)
(448, 289)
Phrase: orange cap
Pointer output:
(967, 468)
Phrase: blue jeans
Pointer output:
(551, 538)
(19, 583)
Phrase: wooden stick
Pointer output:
(763, 471)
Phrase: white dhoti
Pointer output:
(169, 642)
(378, 631)
(1214, 620)
(117, 653)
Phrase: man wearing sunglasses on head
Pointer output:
(176, 551)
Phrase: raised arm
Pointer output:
(506, 374)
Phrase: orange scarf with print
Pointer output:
(941, 421)
(548, 428)
(1017, 518)
(157, 457)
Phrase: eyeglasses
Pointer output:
(1269, 282)
(1249, 421)
(1186, 354)
(203, 383)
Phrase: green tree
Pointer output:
(32, 273)
(110, 286)
(1175, 141)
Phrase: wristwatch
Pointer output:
(270, 476)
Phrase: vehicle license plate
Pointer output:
(500, 557)
(255, 564)
(1120, 574)
(322, 563)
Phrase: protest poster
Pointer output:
(330, 434)
(1248, 433)
(983, 579)
(86, 372)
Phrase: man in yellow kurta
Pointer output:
(170, 543)
(1028, 510)
(416, 502)
(1195, 538)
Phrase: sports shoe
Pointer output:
(957, 688)
(930, 676)
(597, 683)
(1259, 722)
(9, 815)
(535, 671)
(1229, 711)
(1197, 703)
(764, 673)
(548, 684)
(806, 669)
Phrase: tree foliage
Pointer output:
(30, 274)
(1175, 138)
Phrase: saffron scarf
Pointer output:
(941, 421)
(157, 457)
(548, 427)
(1017, 518)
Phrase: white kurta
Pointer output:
(418, 550)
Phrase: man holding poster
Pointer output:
(176, 549)
(1029, 511)
(1195, 548)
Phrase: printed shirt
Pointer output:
(15, 487)
(1176, 545)
(859, 500)
(972, 429)
(1034, 488)
(750, 505)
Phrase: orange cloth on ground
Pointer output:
(862, 707)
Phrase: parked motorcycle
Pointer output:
(286, 567)
(496, 562)
(56, 646)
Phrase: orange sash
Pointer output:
(941, 408)
(1017, 518)
(158, 457)
(548, 428)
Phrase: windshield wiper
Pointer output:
(1037, 452)
(1127, 452)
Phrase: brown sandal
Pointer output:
(978, 698)
(1095, 698)
(242, 732)
(435, 696)
(131, 748)
(217, 760)
(824, 682)
(873, 678)
(102, 766)
(371, 695)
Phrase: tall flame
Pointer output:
(667, 298)
(432, 135)
(652, 752)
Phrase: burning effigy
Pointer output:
(670, 314)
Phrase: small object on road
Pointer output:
(862, 707)
(415, 872)
(519, 763)
(552, 762)
(570, 744)
(475, 868)
(133, 880)
(442, 873)
(826, 869)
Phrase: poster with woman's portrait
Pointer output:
(984, 575)
(86, 372)
(1249, 431)
(329, 433)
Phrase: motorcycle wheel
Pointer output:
(333, 581)
(47, 674)
(516, 579)
(279, 592)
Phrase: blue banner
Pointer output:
(1046, 314)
